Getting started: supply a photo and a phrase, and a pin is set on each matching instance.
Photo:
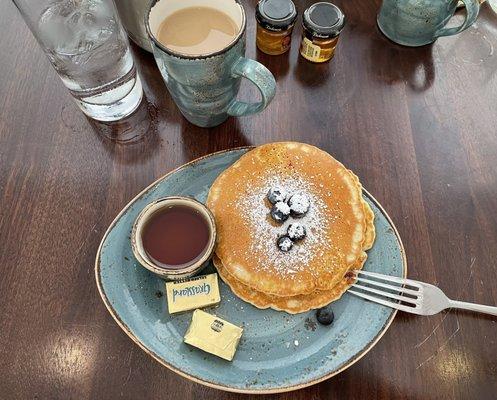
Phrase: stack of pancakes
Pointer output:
(339, 226)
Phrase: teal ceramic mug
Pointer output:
(420, 22)
(205, 86)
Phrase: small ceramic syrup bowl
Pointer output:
(189, 269)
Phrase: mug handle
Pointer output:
(261, 77)
(472, 9)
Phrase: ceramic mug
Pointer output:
(420, 22)
(204, 87)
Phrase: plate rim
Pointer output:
(163, 362)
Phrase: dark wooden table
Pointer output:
(419, 126)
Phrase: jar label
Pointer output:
(309, 50)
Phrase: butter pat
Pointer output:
(188, 294)
(213, 335)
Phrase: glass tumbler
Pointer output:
(86, 44)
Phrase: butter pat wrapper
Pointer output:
(192, 293)
(213, 335)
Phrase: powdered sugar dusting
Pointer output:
(299, 203)
(265, 231)
(280, 211)
(296, 231)
(285, 243)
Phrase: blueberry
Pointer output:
(280, 211)
(299, 204)
(325, 315)
(276, 194)
(285, 243)
(296, 231)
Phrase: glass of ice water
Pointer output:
(87, 46)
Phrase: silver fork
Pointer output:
(413, 296)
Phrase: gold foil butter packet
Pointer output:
(192, 293)
(213, 335)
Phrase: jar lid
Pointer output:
(324, 20)
(275, 15)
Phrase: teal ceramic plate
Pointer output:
(278, 352)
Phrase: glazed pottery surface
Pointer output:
(205, 87)
(278, 351)
(420, 22)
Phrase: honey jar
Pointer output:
(275, 20)
(322, 23)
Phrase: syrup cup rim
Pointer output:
(150, 209)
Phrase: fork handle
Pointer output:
(473, 307)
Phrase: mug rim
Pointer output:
(189, 56)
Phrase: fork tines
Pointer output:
(390, 291)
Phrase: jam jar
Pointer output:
(275, 20)
(322, 23)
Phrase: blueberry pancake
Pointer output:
(299, 303)
(277, 185)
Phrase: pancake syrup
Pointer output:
(175, 237)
